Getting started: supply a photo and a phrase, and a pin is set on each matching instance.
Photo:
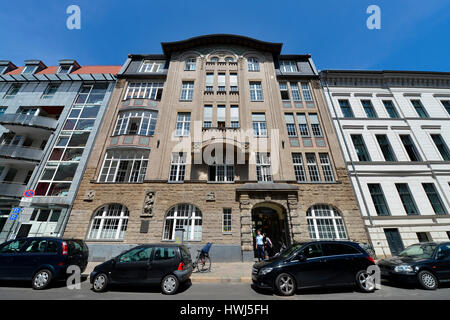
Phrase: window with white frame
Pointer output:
(136, 123)
(207, 116)
(290, 124)
(315, 124)
(302, 125)
(221, 116)
(226, 221)
(144, 90)
(284, 91)
(313, 170)
(109, 223)
(122, 166)
(263, 170)
(306, 92)
(187, 91)
(326, 167)
(234, 116)
(221, 171)
(259, 124)
(183, 125)
(253, 64)
(233, 82)
(65, 69)
(221, 87)
(209, 82)
(190, 64)
(325, 223)
(186, 216)
(295, 92)
(256, 93)
(152, 66)
(50, 90)
(299, 168)
(288, 66)
(177, 167)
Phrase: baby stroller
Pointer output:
(203, 261)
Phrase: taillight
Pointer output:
(65, 250)
(370, 259)
(181, 266)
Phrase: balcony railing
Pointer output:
(28, 120)
(12, 189)
(19, 152)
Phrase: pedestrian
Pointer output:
(267, 246)
(259, 246)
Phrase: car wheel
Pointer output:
(365, 282)
(285, 284)
(427, 280)
(170, 284)
(100, 282)
(41, 279)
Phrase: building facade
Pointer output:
(394, 129)
(49, 120)
(219, 135)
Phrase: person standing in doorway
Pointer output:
(259, 246)
(267, 246)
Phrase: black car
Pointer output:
(41, 259)
(315, 264)
(165, 264)
(425, 263)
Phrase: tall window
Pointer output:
(184, 216)
(233, 82)
(325, 223)
(407, 199)
(390, 109)
(302, 125)
(306, 92)
(109, 223)
(187, 90)
(446, 104)
(360, 147)
(124, 166)
(410, 148)
(441, 146)
(183, 125)
(50, 90)
(190, 64)
(12, 91)
(385, 147)
(136, 123)
(419, 108)
(144, 90)
(209, 83)
(288, 66)
(295, 92)
(313, 170)
(221, 173)
(177, 167)
(263, 170)
(259, 124)
(152, 66)
(434, 198)
(290, 124)
(299, 168)
(368, 108)
(284, 91)
(221, 87)
(207, 116)
(379, 201)
(326, 167)
(253, 64)
(221, 116)
(256, 93)
(226, 221)
(346, 109)
(234, 116)
(315, 125)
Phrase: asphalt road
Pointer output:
(213, 291)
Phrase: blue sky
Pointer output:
(414, 34)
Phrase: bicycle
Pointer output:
(203, 261)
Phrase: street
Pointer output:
(212, 291)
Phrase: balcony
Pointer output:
(12, 189)
(19, 153)
(21, 123)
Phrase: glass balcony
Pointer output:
(12, 189)
(28, 120)
(21, 153)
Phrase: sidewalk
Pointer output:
(220, 272)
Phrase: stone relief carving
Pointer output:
(149, 202)
(211, 196)
(89, 195)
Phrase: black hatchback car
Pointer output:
(427, 264)
(41, 259)
(315, 264)
(165, 264)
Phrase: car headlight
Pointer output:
(403, 268)
(265, 271)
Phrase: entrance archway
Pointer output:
(271, 218)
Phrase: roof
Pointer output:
(82, 70)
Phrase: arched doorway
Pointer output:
(271, 219)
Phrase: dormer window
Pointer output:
(65, 69)
(3, 69)
(152, 66)
(288, 66)
(30, 69)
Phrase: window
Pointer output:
(423, 236)
(50, 91)
(407, 199)
(144, 90)
(288, 66)
(183, 124)
(419, 108)
(29, 69)
(295, 92)
(233, 82)
(214, 59)
(445, 103)
(177, 167)
(164, 253)
(290, 124)
(152, 66)
(12, 91)
(256, 93)
(434, 198)
(259, 124)
(385, 147)
(410, 148)
(136, 123)
(315, 125)
(2, 110)
(360, 147)
(36, 246)
(209, 84)
(138, 254)
(221, 82)
(306, 92)
(441, 146)
(313, 170)
(325, 223)
(346, 109)
(390, 108)
(109, 223)
(326, 167)
(302, 125)
(207, 116)
(284, 91)
(221, 173)
(187, 90)
(368, 108)
(335, 249)
(234, 116)
(299, 169)
(64, 69)
(13, 247)
(124, 166)
(221, 116)
(379, 201)
(229, 59)
(253, 64)
(263, 170)
(226, 221)
(190, 64)
(184, 216)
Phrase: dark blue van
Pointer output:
(41, 259)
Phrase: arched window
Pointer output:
(253, 64)
(109, 223)
(229, 59)
(325, 222)
(184, 216)
(214, 59)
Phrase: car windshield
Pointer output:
(290, 250)
(419, 251)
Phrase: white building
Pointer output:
(394, 131)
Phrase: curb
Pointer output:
(221, 280)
